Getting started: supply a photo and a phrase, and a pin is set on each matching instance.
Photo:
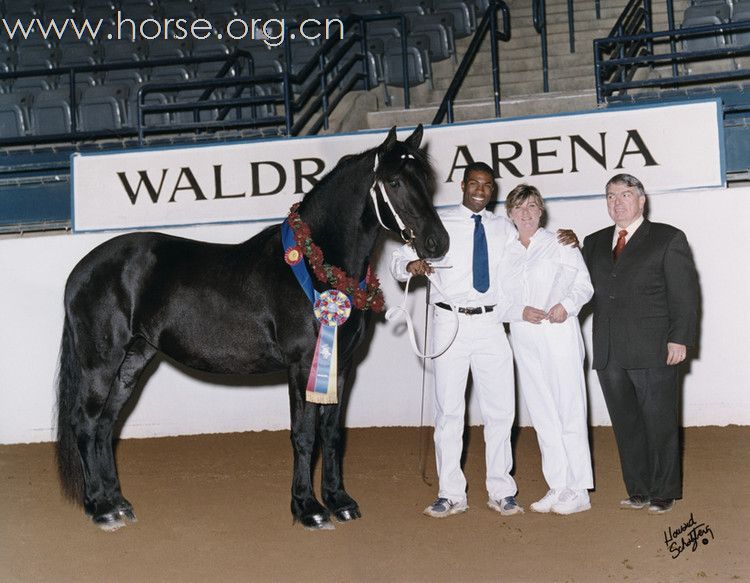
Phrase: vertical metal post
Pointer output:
(323, 90)
(363, 45)
(598, 71)
(404, 64)
(139, 112)
(571, 27)
(621, 54)
(73, 104)
(495, 61)
(672, 45)
(648, 23)
(288, 117)
(545, 63)
(598, 9)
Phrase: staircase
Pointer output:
(571, 75)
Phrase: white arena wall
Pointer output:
(387, 390)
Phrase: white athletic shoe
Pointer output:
(506, 506)
(572, 501)
(442, 508)
(546, 503)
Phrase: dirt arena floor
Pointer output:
(216, 508)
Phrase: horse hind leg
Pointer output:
(103, 499)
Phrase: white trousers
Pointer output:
(550, 371)
(482, 346)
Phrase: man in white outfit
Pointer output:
(480, 345)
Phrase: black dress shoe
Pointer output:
(661, 505)
(635, 502)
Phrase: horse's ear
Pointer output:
(390, 140)
(415, 138)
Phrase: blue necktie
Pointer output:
(480, 266)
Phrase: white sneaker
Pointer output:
(442, 508)
(572, 501)
(506, 506)
(546, 503)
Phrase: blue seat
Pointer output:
(102, 107)
(14, 115)
(50, 113)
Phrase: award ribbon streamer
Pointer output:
(331, 308)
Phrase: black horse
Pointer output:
(234, 309)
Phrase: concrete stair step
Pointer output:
(583, 74)
(465, 110)
(510, 63)
(571, 75)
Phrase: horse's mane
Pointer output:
(411, 162)
(336, 208)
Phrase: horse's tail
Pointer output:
(68, 385)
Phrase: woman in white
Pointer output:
(546, 285)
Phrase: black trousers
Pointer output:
(643, 407)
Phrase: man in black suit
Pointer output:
(645, 318)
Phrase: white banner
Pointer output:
(668, 147)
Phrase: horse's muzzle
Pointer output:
(435, 245)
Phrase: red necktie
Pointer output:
(620, 245)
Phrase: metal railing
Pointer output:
(618, 59)
(308, 96)
(539, 18)
(488, 23)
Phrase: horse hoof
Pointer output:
(317, 522)
(108, 522)
(127, 514)
(347, 514)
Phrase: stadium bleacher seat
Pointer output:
(721, 9)
(741, 14)
(31, 58)
(210, 48)
(463, 13)
(152, 119)
(393, 70)
(51, 113)
(439, 28)
(109, 98)
(705, 42)
(102, 107)
(14, 115)
(741, 39)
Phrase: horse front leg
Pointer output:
(343, 506)
(304, 416)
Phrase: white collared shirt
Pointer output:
(457, 280)
(631, 228)
(542, 275)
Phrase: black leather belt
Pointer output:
(467, 311)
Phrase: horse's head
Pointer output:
(402, 194)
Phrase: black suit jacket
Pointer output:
(647, 298)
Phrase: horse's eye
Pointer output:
(394, 183)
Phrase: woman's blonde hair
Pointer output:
(520, 194)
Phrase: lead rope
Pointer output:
(400, 311)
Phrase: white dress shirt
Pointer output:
(543, 275)
(631, 228)
(454, 273)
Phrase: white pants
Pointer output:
(482, 346)
(550, 371)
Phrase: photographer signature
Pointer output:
(687, 535)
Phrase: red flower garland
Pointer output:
(363, 299)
